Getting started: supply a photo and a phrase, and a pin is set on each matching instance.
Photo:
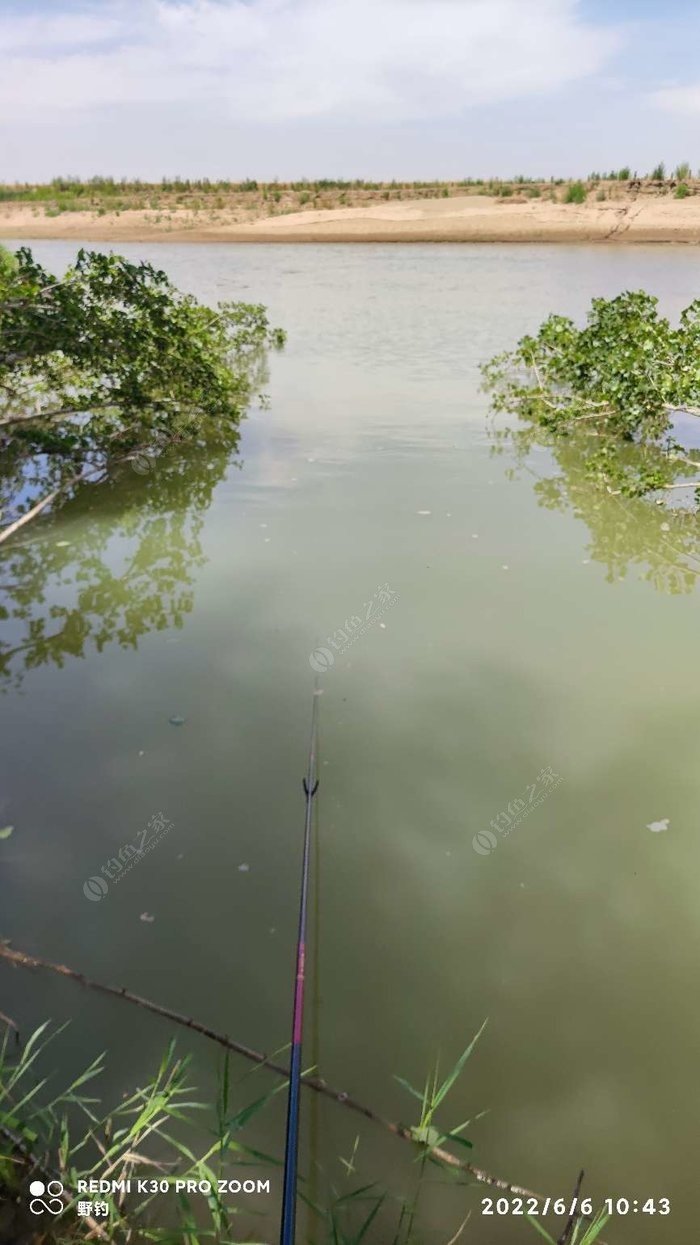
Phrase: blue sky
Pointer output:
(373, 88)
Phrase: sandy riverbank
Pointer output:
(467, 218)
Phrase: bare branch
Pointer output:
(316, 1083)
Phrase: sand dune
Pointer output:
(468, 218)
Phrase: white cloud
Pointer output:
(21, 34)
(281, 60)
(679, 99)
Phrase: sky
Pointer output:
(380, 89)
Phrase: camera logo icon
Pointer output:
(54, 1194)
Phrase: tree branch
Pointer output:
(82, 476)
(91, 409)
(318, 1084)
(31, 514)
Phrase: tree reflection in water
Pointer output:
(660, 541)
(115, 562)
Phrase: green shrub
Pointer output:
(658, 174)
(682, 191)
(8, 263)
(575, 193)
(683, 172)
(626, 370)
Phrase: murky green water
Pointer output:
(507, 650)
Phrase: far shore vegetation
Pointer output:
(251, 198)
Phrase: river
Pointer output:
(513, 652)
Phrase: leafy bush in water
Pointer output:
(620, 379)
(109, 358)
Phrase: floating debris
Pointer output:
(383, 626)
(505, 568)
(657, 826)
(244, 868)
(146, 916)
(424, 512)
(6, 832)
(62, 544)
(142, 753)
(176, 720)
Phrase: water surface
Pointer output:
(518, 643)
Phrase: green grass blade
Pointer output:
(536, 1224)
(456, 1071)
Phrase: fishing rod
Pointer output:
(291, 1145)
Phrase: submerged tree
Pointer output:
(105, 367)
(109, 361)
(606, 402)
(616, 384)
